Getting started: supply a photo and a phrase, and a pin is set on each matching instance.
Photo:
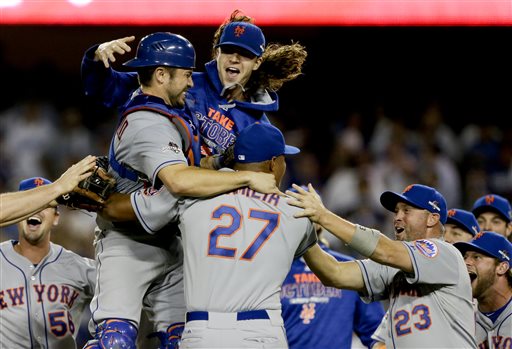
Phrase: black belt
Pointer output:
(243, 315)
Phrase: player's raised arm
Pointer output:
(368, 242)
(332, 273)
(105, 51)
(16, 206)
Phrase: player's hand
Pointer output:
(264, 183)
(73, 175)
(105, 52)
(309, 200)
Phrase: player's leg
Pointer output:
(125, 271)
(165, 302)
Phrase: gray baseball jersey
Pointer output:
(239, 248)
(41, 305)
(497, 334)
(431, 308)
(147, 268)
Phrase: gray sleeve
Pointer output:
(154, 210)
(376, 279)
(309, 240)
(157, 146)
(429, 257)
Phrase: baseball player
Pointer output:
(461, 225)
(494, 213)
(226, 97)
(423, 276)
(149, 150)
(17, 206)
(44, 288)
(488, 260)
(238, 249)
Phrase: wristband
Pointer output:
(365, 240)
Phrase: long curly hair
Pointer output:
(280, 63)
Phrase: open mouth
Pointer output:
(34, 221)
(472, 276)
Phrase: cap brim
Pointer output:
(460, 224)
(389, 199)
(465, 246)
(237, 44)
(290, 150)
(485, 208)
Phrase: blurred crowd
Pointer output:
(351, 163)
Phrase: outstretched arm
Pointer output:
(184, 180)
(346, 275)
(368, 242)
(17, 206)
(106, 85)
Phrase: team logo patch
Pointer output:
(426, 248)
(171, 147)
(308, 313)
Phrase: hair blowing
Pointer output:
(281, 63)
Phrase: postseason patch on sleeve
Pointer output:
(427, 248)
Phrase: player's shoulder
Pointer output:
(72, 257)
(435, 247)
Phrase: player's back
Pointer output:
(238, 250)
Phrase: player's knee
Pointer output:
(170, 339)
(116, 334)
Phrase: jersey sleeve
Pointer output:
(376, 279)
(309, 239)
(154, 210)
(158, 145)
(429, 257)
(106, 85)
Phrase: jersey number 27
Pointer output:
(270, 220)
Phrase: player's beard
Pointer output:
(179, 100)
(482, 283)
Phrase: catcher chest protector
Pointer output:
(186, 127)
(164, 49)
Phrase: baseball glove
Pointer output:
(90, 193)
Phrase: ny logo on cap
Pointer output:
(489, 199)
(409, 187)
(239, 31)
(38, 182)
(451, 213)
(479, 235)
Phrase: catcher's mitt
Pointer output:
(90, 193)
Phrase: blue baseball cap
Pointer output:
(489, 243)
(464, 219)
(493, 202)
(34, 182)
(417, 195)
(261, 142)
(245, 35)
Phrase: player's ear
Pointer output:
(433, 219)
(272, 163)
(259, 60)
(56, 218)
